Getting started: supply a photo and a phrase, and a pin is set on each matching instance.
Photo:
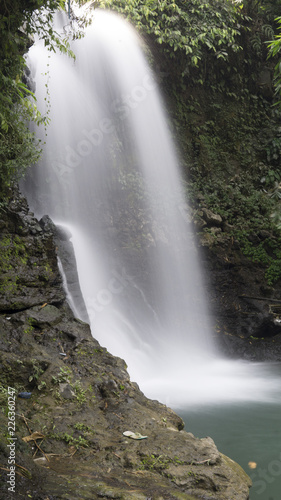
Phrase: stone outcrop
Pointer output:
(78, 400)
(246, 309)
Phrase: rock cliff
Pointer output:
(71, 400)
(245, 307)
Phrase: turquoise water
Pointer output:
(246, 432)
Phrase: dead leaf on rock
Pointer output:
(32, 437)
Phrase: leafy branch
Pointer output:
(186, 27)
(20, 20)
(274, 50)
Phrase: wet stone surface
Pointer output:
(82, 399)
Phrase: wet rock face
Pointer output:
(29, 274)
(81, 400)
(65, 251)
(246, 310)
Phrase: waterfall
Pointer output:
(69, 297)
(110, 173)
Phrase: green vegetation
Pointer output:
(12, 248)
(3, 396)
(69, 439)
(19, 21)
(275, 49)
(64, 375)
(84, 428)
(12, 254)
(80, 393)
(72, 438)
(36, 373)
(193, 29)
(158, 462)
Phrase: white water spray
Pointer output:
(110, 172)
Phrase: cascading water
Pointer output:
(111, 174)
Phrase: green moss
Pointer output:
(80, 393)
(29, 329)
(266, 253)
(12, 256)
(84, 428)
(69, 439)
(158, 462)
(237, 470)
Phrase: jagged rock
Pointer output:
(66, 391)
(211, 218)
(47, 224)
(83, 402)
(75, 329)
(29, 275)
(46, 315)
(207, 239)
(198, 220)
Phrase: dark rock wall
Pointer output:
(28, 261)
(246, 310)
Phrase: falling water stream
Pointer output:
(110, 174)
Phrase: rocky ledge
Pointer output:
(66, 402)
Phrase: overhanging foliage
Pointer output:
(188, 27)
(19, 21)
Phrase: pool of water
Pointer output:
(250, 434)
(237, 403)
